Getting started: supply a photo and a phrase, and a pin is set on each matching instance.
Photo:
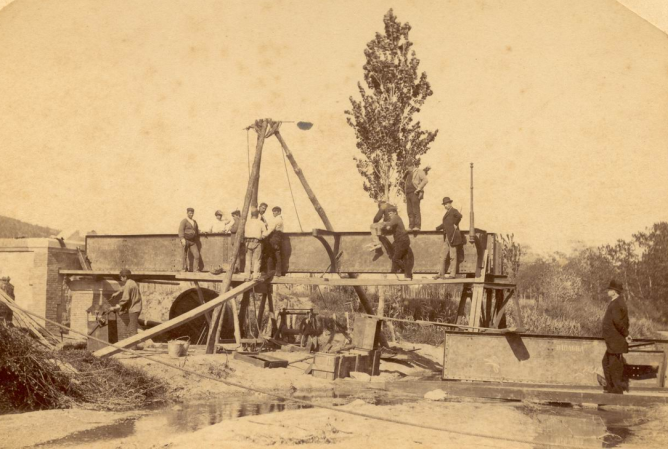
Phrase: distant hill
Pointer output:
(12, 228)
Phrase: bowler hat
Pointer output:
(446, 200)
(218, 212)
(616, 286)
(125, 272)
(190, 209)
(236, 212)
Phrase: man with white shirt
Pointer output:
(221, 225)
(253, 235)
(416, 180)
(189, 236)
(275, 240)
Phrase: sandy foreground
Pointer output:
(515, 425)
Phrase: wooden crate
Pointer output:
(260, 360)
(366, 334)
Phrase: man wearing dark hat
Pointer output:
(451, 240)
(130, 303)
(617, 339)
(416, 180)
(402, 257)
(189, 235)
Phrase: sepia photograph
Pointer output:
(333, 224)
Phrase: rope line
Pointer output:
(302, 401)
(285, 164)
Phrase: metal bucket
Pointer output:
(178, 348)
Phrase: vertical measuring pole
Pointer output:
(261, 128)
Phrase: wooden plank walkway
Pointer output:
(331, 280)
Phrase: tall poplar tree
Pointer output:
(389, 138)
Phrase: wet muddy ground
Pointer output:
(208, 413)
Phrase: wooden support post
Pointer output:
(219, 329)
(255, 174)
(272, 315)
(237, 327)
(518, 311)
(260, 312)
(487, 308)
(179, 320)
(200, 296)
(476, 306)
(244, 324)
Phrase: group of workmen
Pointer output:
(262, 246)
(387, 221)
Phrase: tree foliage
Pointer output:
(389, 139)
(640, 264)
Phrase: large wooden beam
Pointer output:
(251, 192)
(307, 188)
(179, 320)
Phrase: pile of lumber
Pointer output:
(25, 321)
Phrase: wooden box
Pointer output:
(261, 360)
(366, 334)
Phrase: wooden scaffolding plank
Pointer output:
(181, 319)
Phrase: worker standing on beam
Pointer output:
(221, 225)
(416, 180)
(452, 239)
(275, 242)
(617, 339)
(130, 303)
(254, 233)
(402, 257)
(189, 235)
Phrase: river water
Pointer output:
(567, 426)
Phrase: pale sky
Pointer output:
(117, 115)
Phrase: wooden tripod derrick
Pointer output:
(342, 260)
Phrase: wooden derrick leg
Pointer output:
(487, 307)
(260, 312)
(222, 320)
(461, 310)
(476, 306)
(272, 315)
(244, 325)
(499, 315)
(237, 328)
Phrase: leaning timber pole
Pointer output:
(471, 224)
(361, 294)
(307, 188)
(261, 127)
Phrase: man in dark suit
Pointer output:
(451, 240)
(189, 235)
(617, 339)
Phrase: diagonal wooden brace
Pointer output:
(181, 319)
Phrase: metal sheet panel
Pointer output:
(550, 360)
(305, 253)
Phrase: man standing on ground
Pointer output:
(130, 302)
(452, 239)
(402, 258)
(275, 242)
(189, 235)
(262, 208)
(381, 219)
(617, 339)
(254, 233)
(416, 179)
